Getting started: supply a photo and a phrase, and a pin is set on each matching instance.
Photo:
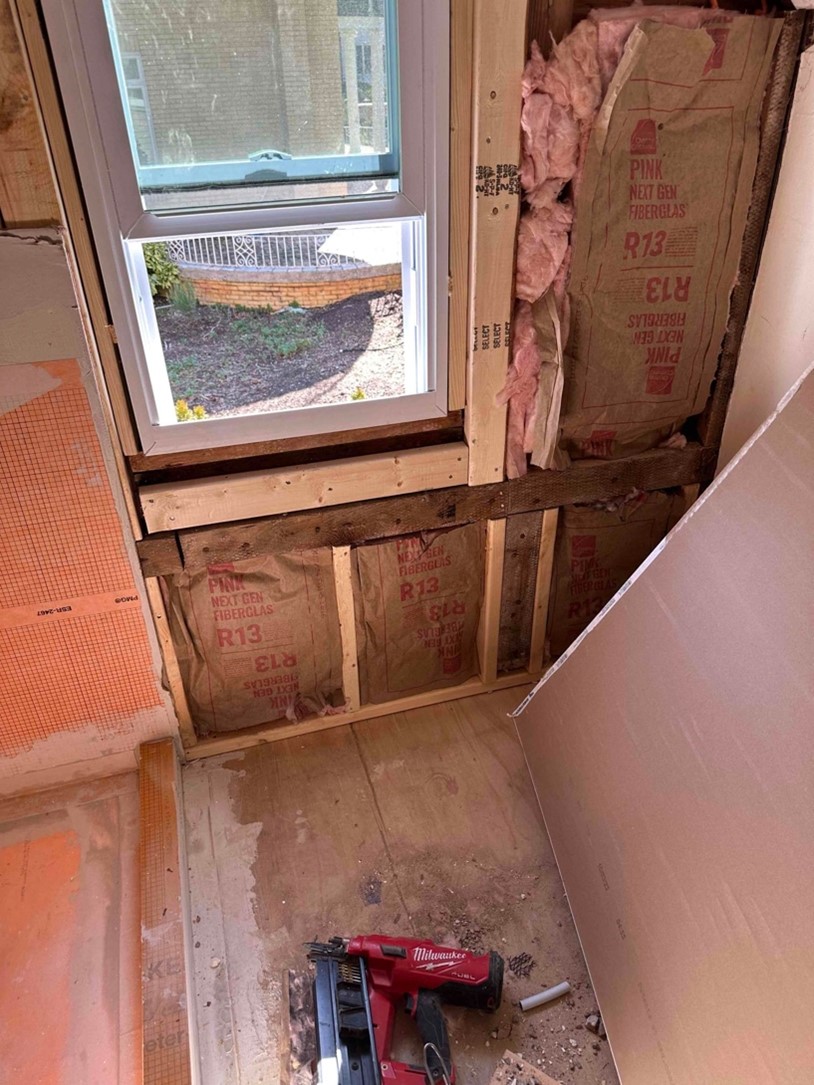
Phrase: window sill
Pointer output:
(197, 463)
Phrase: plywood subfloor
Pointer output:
(70, 1002)
(423, 824)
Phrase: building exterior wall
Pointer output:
(228, 78)
(276, 291)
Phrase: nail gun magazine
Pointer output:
(361, 983)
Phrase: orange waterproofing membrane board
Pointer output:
(69, 936)
(74, 650)
(671, 754)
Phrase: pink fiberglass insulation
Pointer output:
(520, 390)
(542, 243)
(561, 97)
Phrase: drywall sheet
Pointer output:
(74, 651)
(671, 754)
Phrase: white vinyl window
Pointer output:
(267, 187)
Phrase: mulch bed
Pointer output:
(243, 361)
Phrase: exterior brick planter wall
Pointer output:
(273, 289)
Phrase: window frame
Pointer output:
(97, 123)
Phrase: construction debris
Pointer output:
(594, 1023)
(545, 996)
(514, 1070)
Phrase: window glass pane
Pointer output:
(258, 96)
(130, 67)
(264, 322)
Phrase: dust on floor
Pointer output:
(420, 824)
(234, 361)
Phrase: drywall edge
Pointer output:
(778, 342)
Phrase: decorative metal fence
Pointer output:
(271, 252)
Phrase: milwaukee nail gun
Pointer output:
(358, 986)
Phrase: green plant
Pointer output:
(182, 297)
(181, 369)
(161, 271)
(185, 413)
(359, 393)
(243, 326)
(291, 331)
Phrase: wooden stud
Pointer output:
(690, 494)
(517, 596)
(275, 732)
(489, 628)
(542, 590)
(460, 173)
(172, 670)
(367, 521)
(343, 584)
(165, 995)
(547, 19)
(78, 244)
(27, 196)
(172, 506)
(499, 56)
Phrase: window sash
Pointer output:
(77, 31)
(302, 168)
(357, 167)
(83, 31)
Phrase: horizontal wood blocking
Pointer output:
(173, 506)
(365, 521)
(275, 732)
